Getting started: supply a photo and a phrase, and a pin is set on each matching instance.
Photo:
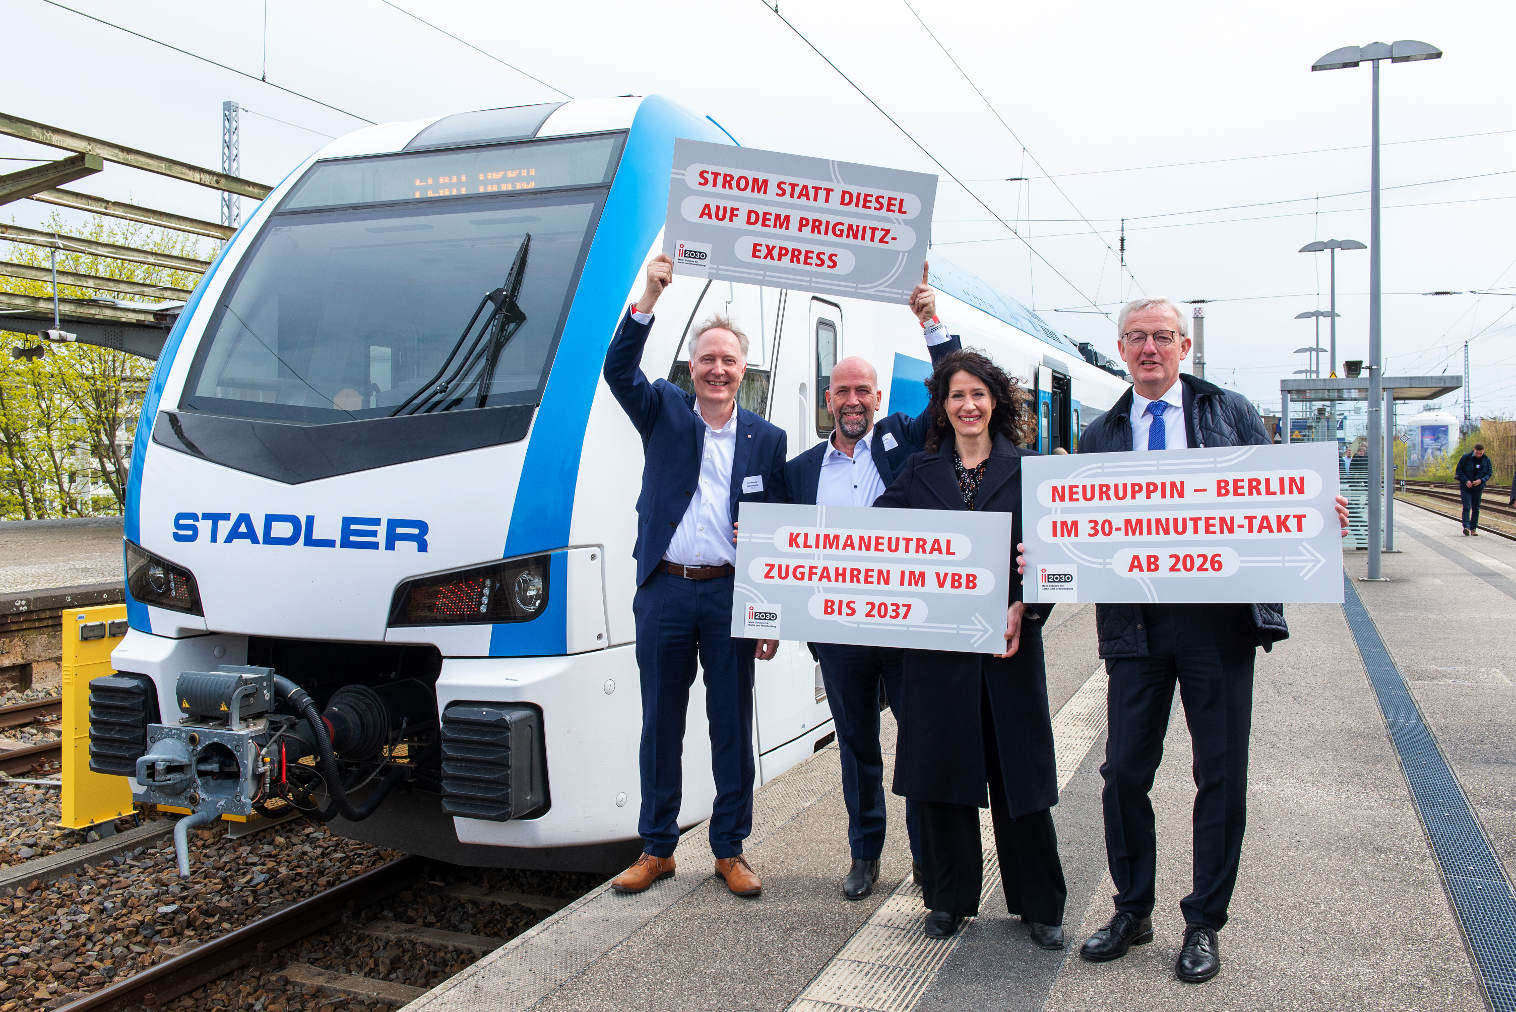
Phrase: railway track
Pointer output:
(1495, 516)
(40, 711)
(28, 758)
(343, 912)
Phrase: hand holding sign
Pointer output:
(660, 274)
(923, 300)
(1013, 619)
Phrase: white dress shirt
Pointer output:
(849, 481)
(1173, 418)
(704, 534)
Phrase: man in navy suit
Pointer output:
(702, 455)
(851, 468)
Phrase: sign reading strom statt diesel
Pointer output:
(931, 579)
(762, 217)
(1238, 523)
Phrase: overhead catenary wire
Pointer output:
(774, 9)
(465, 42)
(206, 59)
(1026, 152)
(1233, 221)
(276, 119)
(1247, 158)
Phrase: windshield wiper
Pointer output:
(475, 360)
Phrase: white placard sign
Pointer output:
(1238, 524)
(929, 579)
(793, 221)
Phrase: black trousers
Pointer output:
(1206, 650)
(1470, 497)
(1031, 874)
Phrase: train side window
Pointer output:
(753, 394)
(1077, 432)
(1044, 429)
(826, 359)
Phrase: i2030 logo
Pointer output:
(761, 618)
(1055, 582)
(696, 253)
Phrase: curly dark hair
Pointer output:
(1010, 417)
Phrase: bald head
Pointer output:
(852, 397)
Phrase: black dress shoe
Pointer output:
(941, 924)
(1047, 936)
(1200, 959)
(1120, 934)
(860, 878)
(917, 873)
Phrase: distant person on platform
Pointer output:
(702, 455)
(1473, 473)
(1205, 649)
(853, 467)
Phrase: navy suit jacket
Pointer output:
(673, 439)
(803, 473)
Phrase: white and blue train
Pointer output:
(379, 522)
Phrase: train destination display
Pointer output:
(1237, 523)
(768, 218)
(931, 579)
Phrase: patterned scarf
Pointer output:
(968, 478)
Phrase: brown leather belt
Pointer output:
(697, 572)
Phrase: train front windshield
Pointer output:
(404, 285)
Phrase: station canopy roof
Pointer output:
(1406, 388)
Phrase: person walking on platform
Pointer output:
(851, 468)
(1473, 473)
(702, 455)
(1206, 649)
(977, 728)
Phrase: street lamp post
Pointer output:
(1334, 245)
(1317, 314)
(1403, 51)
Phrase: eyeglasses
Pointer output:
(1162, 338)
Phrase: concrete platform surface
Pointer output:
(1341, 901)
(48, 554)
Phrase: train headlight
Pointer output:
(160, 583)
(515, 590)
(529, 590)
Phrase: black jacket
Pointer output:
(1472, 468)
(940, 756)
(1212, 417)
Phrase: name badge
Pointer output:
(752, 483)
(889, 441)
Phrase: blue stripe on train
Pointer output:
(136, 612)
(634, 212)
(908, 385)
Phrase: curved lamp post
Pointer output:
(1334, 245)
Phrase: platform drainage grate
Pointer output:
(1482, 897)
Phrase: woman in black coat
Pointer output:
(977, 728)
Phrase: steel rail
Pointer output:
(180, 975)
(35, 712)
(28, 757)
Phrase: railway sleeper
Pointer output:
(396, 931)
(351, 985)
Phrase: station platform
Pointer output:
(1376, 871)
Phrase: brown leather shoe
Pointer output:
(740, 876)
(644, 871)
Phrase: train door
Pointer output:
(1054, 410)
(790, 699)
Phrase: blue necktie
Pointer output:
(1158, 433)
